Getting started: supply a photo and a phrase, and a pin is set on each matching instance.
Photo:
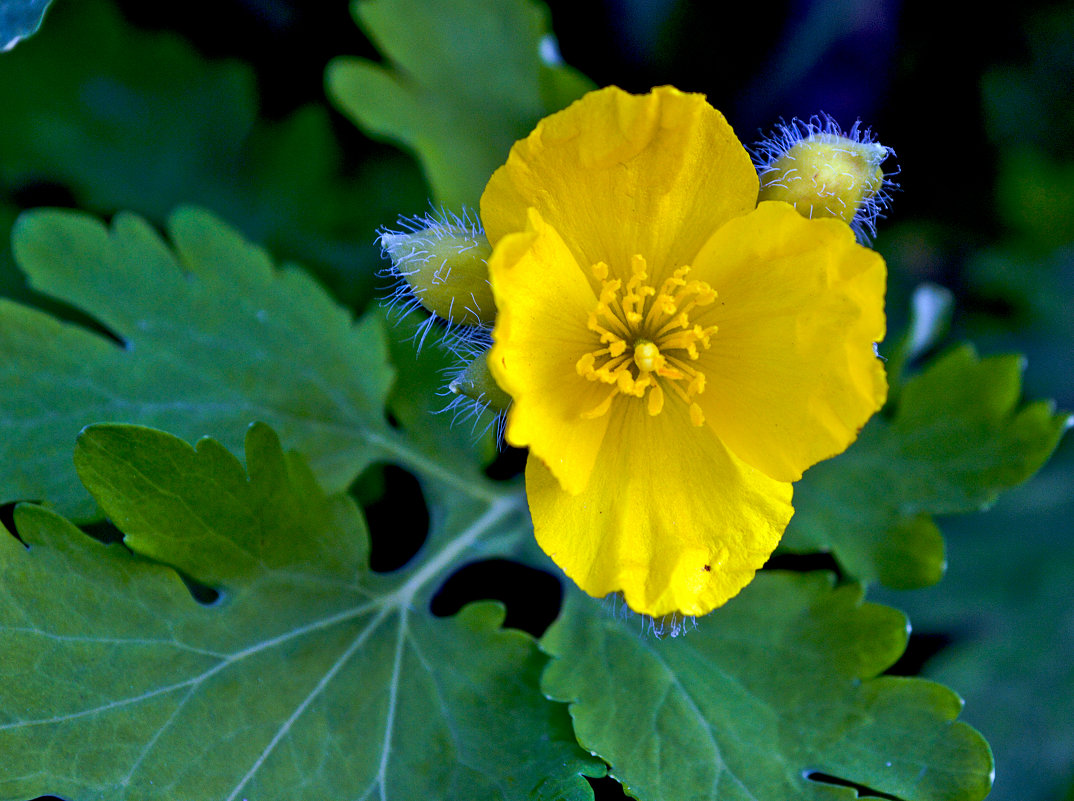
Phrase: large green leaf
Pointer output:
(464, 80)
(129, 119)
(957, 438)
(774, 696)
(309, 678)
(1004, 612)
(211, 336)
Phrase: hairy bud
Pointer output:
(824, 172)
(442, 264)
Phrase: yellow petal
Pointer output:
(791, 375)
(670, 517)
(544, 301)
(618, 175)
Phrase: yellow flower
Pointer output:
(677, 354)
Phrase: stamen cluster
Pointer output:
(647, 338)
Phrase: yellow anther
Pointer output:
(638, 267)
(705, 295)
(601, 408)
(655, 400)
(697, 417)
(584, 366)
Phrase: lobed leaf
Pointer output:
(464, 80)
(958, 437)
(774, 696)
(310, 677)
(210, 337)
(1004, 613)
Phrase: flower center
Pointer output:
(646, 338)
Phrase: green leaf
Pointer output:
(1004, 613)
(19, 19)
(958, 437)
(211, 337)
(310, 677)
(129, 119)
(464, 80)
(773, 696)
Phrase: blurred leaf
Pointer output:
(1022, 301)
(1035, 197)
(1030, 293)
(464, 79)
(211, 337)
(956, 440)
(127, 119)
(19, 19)
(774, 696)
(1006, 608)
(106, 110)
(310, 677)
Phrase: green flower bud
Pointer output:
(823, 172)
(443, 265)
(476, 382)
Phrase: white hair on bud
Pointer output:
(466, 344)
(673, 624)
(402, 297)
(824, 128)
